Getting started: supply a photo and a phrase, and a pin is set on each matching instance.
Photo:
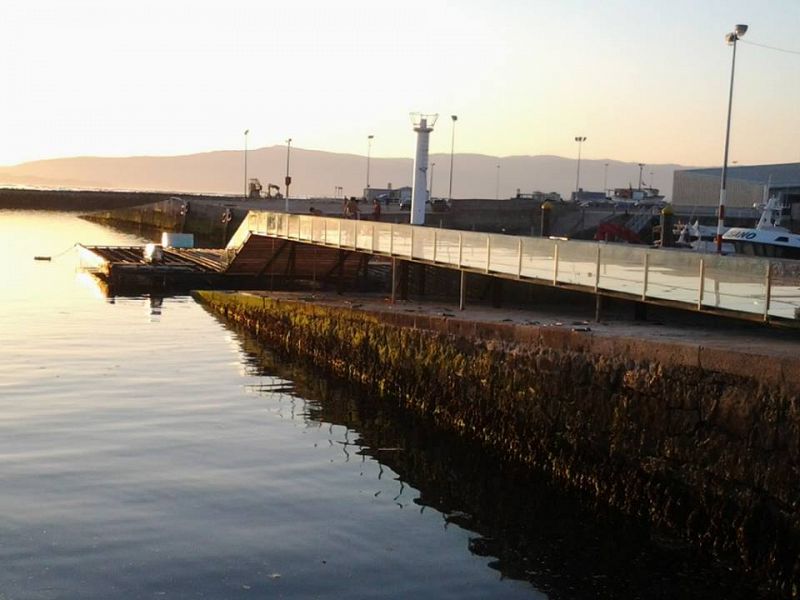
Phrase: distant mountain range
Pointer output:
(316, 173)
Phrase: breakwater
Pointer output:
(700, 442)
(213, 222)
(86, 200)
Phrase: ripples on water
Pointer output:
(148, 450)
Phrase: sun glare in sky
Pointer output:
(642, 80)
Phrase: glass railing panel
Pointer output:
(785, 289)
(401, 240)
(383, 237)
(735, 283)
(504, 254)
(537, 258)
(305, 228)
(349, 232)
(316, 229)
(674, 275)
(577, 263)
(447, 246)
(330, 231)
(364, 235)
(622, 268)
(423, 243)
(474, 250)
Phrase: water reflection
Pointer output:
(524, 526)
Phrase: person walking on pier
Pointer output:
(376, 210)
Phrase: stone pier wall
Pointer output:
(697, 442)
(213, 223)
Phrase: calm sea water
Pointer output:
(148, 450)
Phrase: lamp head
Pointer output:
(454, 117)
(740, 30)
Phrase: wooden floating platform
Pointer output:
(256, 265)
(124, 269)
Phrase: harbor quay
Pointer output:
(692, 430)
(691, 426)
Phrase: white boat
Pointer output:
(701, 238)
(767, 238)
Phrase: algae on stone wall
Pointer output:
(712, 458)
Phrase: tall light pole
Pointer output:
(605, 178)
(430, 193)
(246, 131)
(641, 166)
(580, 139)
(369, 152)
(652, 185)
(497, 184)
(731, 38)
(288, 179)
(454, 118)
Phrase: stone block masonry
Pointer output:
(698, 442)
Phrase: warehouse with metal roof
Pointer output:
(747, 186)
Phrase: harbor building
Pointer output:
(697, 190)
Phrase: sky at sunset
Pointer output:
(643, 80)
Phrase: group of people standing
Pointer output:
(351, 210)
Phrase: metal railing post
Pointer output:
(488, 252)
(702, 285)
(434, 245)
(460, 249)
(519, 258)
(555, 264)
(767, 291)
(372, 243)
(354, 240)
(391, 239)
(597, 270)
(411, 250)
(339, 227)
(646, 275)
(462, 291)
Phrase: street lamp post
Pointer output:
(246, 131)
(497, 185)
(731, 38)
(605, 178)
(454, 118)
(580, 139)
(641, 166)
(369, 152)
(288, 179)
(430, 193)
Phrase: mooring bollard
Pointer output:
(667, 223)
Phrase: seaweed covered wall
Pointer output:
(698, 442)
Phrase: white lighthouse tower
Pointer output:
(423, 125)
